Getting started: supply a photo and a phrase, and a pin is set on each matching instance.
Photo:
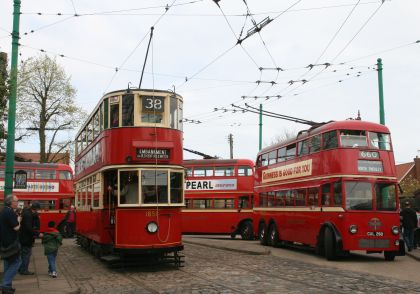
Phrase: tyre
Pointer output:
(246, 231)
(389, 255)
(273, 236)
(262, 234)
(329, 245)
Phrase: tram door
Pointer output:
(110, 200)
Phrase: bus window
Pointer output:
(315, 144)
(312, 197)
(338, 195)
(244, 171)
(329, 140)
(203, 171)
(223, 203)
(201, 203)
(115, 115)
(326, 195)
(127, 110)
(303, 148)
(45, 174)
(386, 197)
(189, 172)
(154, 183)
(263, 199)
(272, 157)
(64, 175)
(176, 187)
(281, 154)
(351, 138)
(358, 195)
(300, 197)
(29, 173)
(290, 198)
(280, 199)
(291, 151)
(243, 202)
(221, 171)
(271, 198)
(380, 141)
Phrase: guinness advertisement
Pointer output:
(151, 153)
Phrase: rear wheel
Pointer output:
(389, 255)
(329, 244)
(273, 236)
(262, 234)
(246, 231)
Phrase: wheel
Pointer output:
(273, 236)
(246, 231)
(262, 234)
(389, 255)
(329, 245)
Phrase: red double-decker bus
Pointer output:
(50, 184)
(219, 197)
(333, 187)
(129, 175)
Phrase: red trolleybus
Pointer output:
(334, 188)
(219, 197)
(129, 176)
(50, 184)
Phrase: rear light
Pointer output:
(353, 229)
(395, 230)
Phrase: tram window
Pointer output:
(329, 140)
(154, 184)
(264, 159)
(352, 138)
(180, 115)
(244, 171)
(312, 197)
(201, 203)
(326, 195)
(338, 194)
(176, 187)
(127, 110)
(358, 195)
(300, 197)
(96, 194)
(101, 120)
(303, 148)
(105, 105)
(291, 151)
(83, 140)
(281, 155)
(173, 112)
(89, 132)
(272, 157)
(152, 109)
(386, 197)
(315, 144)
(115, 115)
(96, 125)
(45, 174)
(380, 141)
(64, 175)
(223, 203)
(154, 118)
(129, 182)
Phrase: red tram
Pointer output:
(219, 197)
(50, 184)
(129, 175)
(334, 188)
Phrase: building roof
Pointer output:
(403, 169)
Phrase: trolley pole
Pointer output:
(260, 140)
(381, 93)
(11, 118)
(230, 139)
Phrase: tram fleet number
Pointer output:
(151, 213)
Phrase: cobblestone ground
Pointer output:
(209, 270)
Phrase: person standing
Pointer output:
(29, 229)
(70, 221)
(409, 223)
(51, 240)
(9, 227)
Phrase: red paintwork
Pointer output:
(217, 221)
(304, 226)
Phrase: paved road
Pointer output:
(209, 270)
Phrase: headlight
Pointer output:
(152, 227)
(353, 229)
(395, 230)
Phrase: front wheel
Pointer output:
(329, 245)
(247, 231)
(389, 255)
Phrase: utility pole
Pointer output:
(10, 151)
(230, 140)
(260, 140)
(381, 93)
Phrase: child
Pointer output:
(51, 240)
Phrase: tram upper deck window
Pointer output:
(127, 110)
(380, 141)
(352, 138)
(175, 115)
(115, 115)
(358, 195)
(330, 140)
(154, 186)
(153, 108)
(96, 125)
(244, 171)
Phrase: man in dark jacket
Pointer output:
(409, 223)
(29, 229)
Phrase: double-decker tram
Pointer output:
(219, 197)
(49, 184)
(129, 177)
(334, 188)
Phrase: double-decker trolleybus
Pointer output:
(219, 197)
(129, 176)
(333, 187)
(50, 184)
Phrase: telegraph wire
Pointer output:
(74, 7)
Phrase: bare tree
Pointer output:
(46, 105)
(284, 136)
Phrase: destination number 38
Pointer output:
(153, 103)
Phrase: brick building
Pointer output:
(34, 157)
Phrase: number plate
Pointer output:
(375, 234)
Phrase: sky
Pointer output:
(314, 60)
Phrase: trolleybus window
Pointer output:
(222, 171)
(64, 175)
(199, 203)
(300, 197)
(291, 151)
(243, 202)
(176, 187)
(351, 138)
(386, 197)
(303, 147)
(315, 144)
(244, 171)
(264, 159)
(45, 174)
(281, 155)
(338, 195)
(313, 196)
(358, 195)
(272, 157)
(203, 171)
(189, 172)
(380, 141)
(330, 140)
(154, 183)
(326, 194)
(127, 110)
(223, 203)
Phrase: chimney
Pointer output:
(417, 167)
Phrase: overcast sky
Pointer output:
(195, 49)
